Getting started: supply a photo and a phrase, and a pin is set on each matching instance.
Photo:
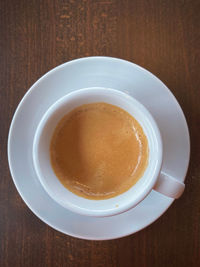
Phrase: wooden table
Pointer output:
(162, 36)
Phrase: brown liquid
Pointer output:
(98, 151)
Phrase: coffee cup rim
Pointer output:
(68, 203)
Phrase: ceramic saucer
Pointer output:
(96, 72)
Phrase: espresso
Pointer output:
(98, 151)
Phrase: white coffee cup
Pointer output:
(153, 177)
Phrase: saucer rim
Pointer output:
(11, 130)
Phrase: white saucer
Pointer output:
(99, 72)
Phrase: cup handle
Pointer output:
(169, 186)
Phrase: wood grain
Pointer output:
(162, 36)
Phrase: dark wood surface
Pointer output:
(162, 36)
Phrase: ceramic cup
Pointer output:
(153, 178)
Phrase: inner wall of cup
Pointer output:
(44, 169)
